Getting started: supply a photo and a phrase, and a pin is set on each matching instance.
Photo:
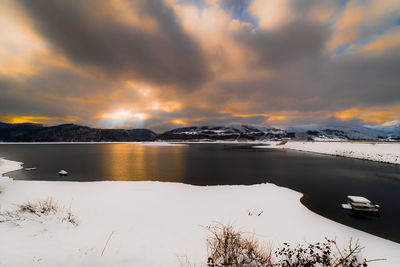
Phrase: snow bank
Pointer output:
(382, 152)
(160, 224)
(7, 166)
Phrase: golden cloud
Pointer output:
(375, 115)
(36, 119)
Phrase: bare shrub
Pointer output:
(39, 209)
(228, 247)
(321, 254)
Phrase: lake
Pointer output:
(325, 180)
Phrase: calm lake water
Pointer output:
(325, 180)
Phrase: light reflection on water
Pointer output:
(125, 162)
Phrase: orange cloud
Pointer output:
(248, 115)
(274, 119)
(362, 14)
(166, 106)
(178, 122)
(214, 32)
(35, 119)
(375, 115)
(389, 40)
(130, 14)
(20, 46)
(271, 13)
(346, 29)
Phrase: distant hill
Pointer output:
(28, 132)
(256, 133)
(324, 132)
(231, 133)
(70, 133)
(12, 132)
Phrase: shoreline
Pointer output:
(388, 153)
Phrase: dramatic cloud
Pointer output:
(300, 39)
(169, 63)
(92, 33)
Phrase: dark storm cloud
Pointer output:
(333, 121)
(17, 98)
(304, 7)
(323, 84)
(89, 33)
(297, 40)
(363, 78)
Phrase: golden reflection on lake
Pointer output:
(138, 162)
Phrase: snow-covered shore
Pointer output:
(381, 152)
(158, 224)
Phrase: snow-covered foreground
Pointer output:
(158, 224)
(382, 152)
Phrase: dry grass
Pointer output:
(228, 247)
(282, 143)
(41, 208)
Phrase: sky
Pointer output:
(163, 64)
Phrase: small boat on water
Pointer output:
(357, 203)
(30, 169)
(62, 172)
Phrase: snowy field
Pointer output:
(382, 152)
(157, 224)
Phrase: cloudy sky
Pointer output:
(163, 64)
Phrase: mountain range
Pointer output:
(29, 132)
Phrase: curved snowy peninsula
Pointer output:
(381, 152)
(155, 224)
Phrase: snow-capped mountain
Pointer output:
(391, 128)
(325, 132)
(76, 133)
(259, 133)
(231, 133)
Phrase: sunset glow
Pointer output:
(124, 115)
